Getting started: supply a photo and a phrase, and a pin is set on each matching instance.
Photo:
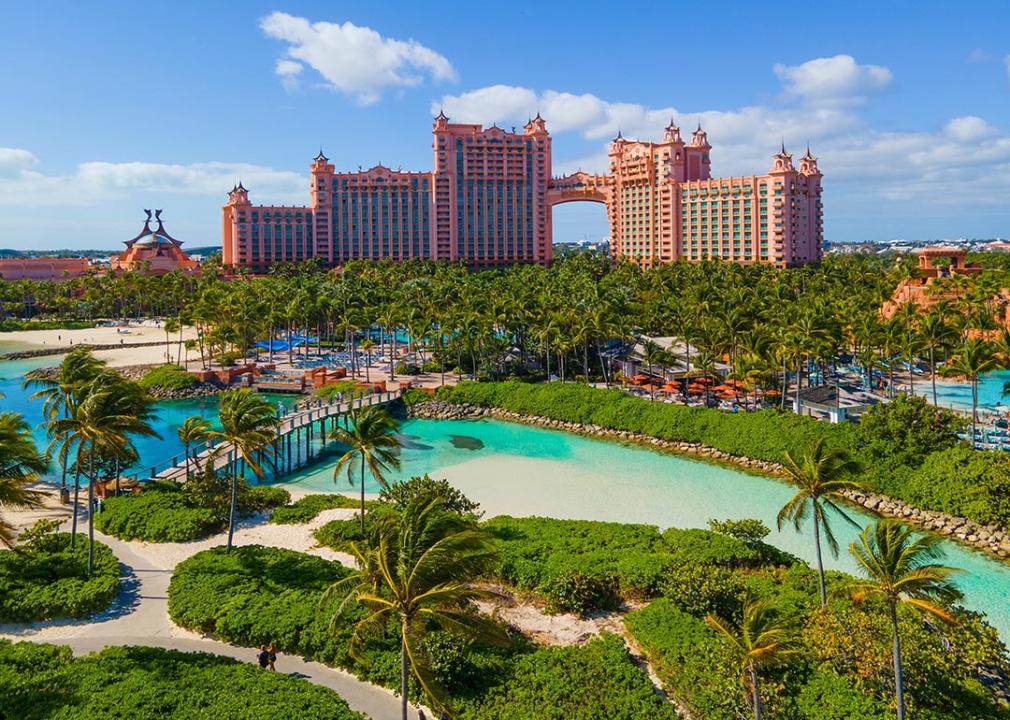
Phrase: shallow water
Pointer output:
(523, 470)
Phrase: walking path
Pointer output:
(139, 616)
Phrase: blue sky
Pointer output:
(112, 107)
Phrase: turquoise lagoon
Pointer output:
(519, 470)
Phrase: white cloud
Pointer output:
(833, 79)
(288, 71)
(967, 160)
(14, 161)
(969, 128)
(352, 59)
(94, 182)
(978, 55)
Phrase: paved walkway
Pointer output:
(139, 616)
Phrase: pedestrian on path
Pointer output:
(272, 657)
(264, 657)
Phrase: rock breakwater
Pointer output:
(990, 539)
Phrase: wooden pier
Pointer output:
(301, 436)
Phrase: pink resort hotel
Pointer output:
(488, 201)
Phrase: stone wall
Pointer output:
(47, 351)
(135, 372)
(988, 538)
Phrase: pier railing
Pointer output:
(301, 436)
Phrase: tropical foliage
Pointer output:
(48, 578)
(170, 512)
(45, 682)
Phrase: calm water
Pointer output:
(520, 470)
(957, 395)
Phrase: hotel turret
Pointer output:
(665, 206)
(488, 201)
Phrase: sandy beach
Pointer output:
(123, 335)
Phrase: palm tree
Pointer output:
(935, 334)
(371, 443)
(102, 418)
(195, 429)
(821, 475)
(975, 358)
(20, 464)
(419, 575)
(77, 369)
(902, 568)
(248, 424)
(763, 638)
(366, 346)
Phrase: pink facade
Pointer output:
(483, 204)
(665, 206)
(488, 201)
(43, 269)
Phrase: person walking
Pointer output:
(264, 657)
(271, 657)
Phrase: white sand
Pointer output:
(534, 623)
(126, 355)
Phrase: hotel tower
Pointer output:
(488, 201)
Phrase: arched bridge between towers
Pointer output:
(579, 187)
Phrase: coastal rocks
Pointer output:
(135, 372)
(987, 538)
(45, 352)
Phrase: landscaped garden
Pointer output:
(172, 512)
(45, 682)
(682, 581)
(46, 577)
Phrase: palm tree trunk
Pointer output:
(899, 686)
(974, 407)
(77, 504)
(232, 504)
(756, 692)
(404, 671)
(820, 562)
(91, 511)
(932, 372)
(362, 498)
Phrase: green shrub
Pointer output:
(403, 493)
(306, 508)
(156, 516)
(167, 377)
(414, 396)
(981, 490)
(828, 696)
(703, 547)
(907, 429)
(748, 530)
(591, 682)
(689, 660)
(580, 565)
(260, 498)
(44, 578)
(255, 595)
(41, 682)
(174, 512)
